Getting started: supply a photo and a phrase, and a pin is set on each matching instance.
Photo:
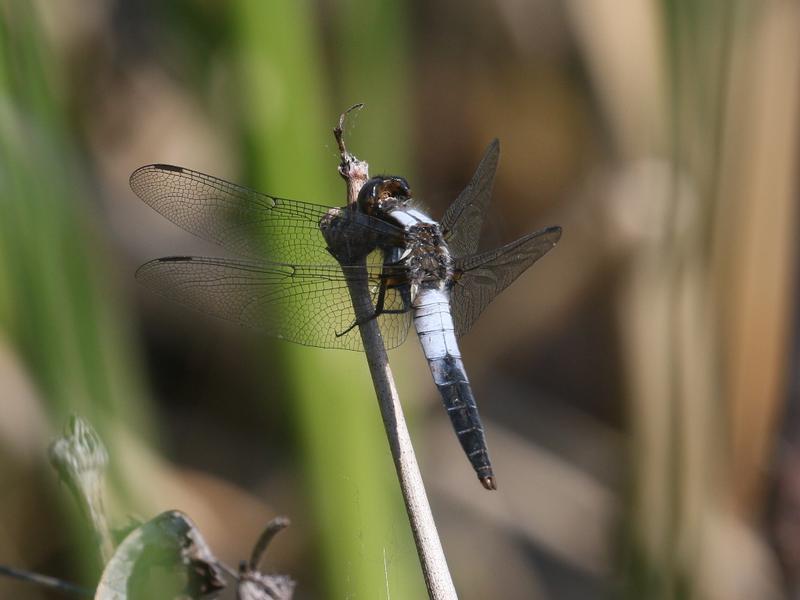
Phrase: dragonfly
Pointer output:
(296, 260)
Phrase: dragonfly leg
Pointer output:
(380, 306)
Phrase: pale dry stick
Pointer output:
(429, 548)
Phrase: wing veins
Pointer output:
(463, 220)
(305, 304)
(481, 277)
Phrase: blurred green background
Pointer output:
(638, 385)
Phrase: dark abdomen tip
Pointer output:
(490, 483)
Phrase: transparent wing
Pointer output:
(481, 277)
(307, 305)
(244, 221)
(464, 218)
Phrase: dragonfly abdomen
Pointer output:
(434, 326)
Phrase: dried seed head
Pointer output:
(80, 458)
(79, 451)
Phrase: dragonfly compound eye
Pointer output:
(381, 191)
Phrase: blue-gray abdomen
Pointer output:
(434, 325)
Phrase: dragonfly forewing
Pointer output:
(247, 222)
(463, 220)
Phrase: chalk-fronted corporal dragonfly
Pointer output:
(293, 280)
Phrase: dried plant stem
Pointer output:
(426, 537)
(46, 581)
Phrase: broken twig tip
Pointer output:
(275, 526)
(355, 172)
(338, 131)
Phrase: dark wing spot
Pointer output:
(168, 168)
(176, 259)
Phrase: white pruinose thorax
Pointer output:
(429, 263)
(408, 216)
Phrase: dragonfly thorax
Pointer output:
(428, 259)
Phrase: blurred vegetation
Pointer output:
(286, 115)
(639, 389)
(59, 311)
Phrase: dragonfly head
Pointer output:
(383, 193)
